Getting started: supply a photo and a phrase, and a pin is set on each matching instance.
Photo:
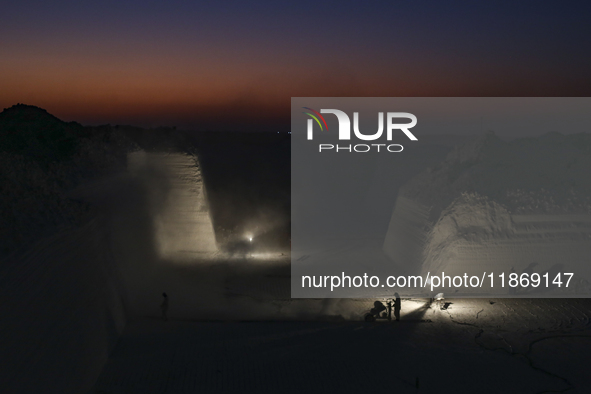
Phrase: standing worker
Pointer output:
(389, 303)
(164, 307)
(397, 306)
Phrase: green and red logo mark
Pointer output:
(316, 118)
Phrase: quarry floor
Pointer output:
(237, 330)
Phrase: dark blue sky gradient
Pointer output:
(236, 64)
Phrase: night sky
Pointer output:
(235, 65)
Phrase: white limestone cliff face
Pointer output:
(494, 206)
(182, 224)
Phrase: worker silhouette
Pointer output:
(397, 306)
(389, 304)
(164, 307)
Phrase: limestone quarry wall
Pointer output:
(475, 235)
(523, 244)
(182, 224)
(520, 206)
(407, 234)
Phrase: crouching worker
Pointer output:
(375, 312)
(378, 308)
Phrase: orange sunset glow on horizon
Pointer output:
(206, 66)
